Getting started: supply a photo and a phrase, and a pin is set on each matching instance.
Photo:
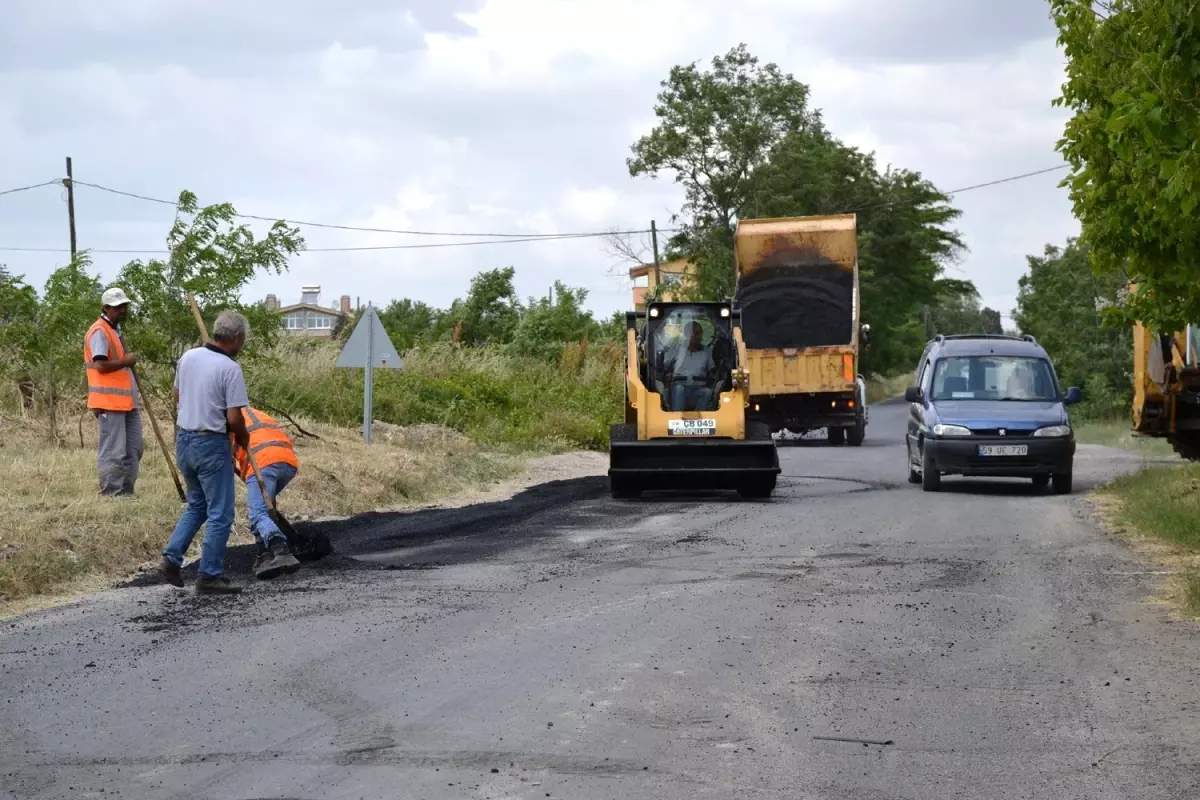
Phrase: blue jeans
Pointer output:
(206, 464)
(276, 477)
(681, 393)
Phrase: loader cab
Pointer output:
(687, 352)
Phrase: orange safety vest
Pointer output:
(268, 441)
(107, 391)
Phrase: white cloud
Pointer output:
(493, 115)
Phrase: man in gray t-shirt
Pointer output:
(210, 393)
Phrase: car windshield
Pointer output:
(993, 378)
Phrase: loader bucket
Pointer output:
(749, 466)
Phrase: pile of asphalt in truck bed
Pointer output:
(796, 298)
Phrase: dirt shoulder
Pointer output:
(59, 539)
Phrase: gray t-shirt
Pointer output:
(99, 345)
(209, 382)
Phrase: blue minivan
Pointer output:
(989, 405)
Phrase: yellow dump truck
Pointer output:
(797, 288)
(1166, 387)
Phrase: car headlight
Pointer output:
(951, 430)
(1053, 430)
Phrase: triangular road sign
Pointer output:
(369, 338)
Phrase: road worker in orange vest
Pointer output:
(112, 396)
(276, 459)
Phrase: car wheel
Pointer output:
(1062, 483)
(931, 479)
(837, 435)
(1040, 482)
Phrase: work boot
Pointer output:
(217, 585)
(276, 561)
(170, 572)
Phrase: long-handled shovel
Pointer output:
(162, 443)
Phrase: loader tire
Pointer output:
(623, 432)
(624, 489)
(1186, 446)
(757, 431)
(758, 488)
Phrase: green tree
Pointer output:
(214, 258)
(54, 353)
(1060, 302)
(742, 141)
(408, 322)
(1132, 73)
(904, 235)
(18, 316)
(714, 129)
(548, 324)
(489, 313)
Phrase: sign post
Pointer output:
(369, 348)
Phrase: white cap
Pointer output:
(114, 297)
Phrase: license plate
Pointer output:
(1003, 449)
(691, 427)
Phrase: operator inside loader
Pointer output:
(693, 358)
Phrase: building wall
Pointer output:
(307, 322)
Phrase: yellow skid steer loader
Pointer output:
(686, 395)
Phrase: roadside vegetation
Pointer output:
(57, 535)
(1163, 503)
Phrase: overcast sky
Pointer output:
(506, 116)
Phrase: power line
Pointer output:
(34, 186)
(361, 229)
(493, 238)
(1007, 180)
(555, 238)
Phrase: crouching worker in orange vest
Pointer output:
(276, 459)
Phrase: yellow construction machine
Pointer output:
(686, 395)
(1166, 387)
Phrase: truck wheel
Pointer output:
(931, 479)
(837, 435)
(758, 488)
(1062, 483)
(855, 435)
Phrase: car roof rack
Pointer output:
(1003, 336)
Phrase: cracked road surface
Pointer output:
(566, 645)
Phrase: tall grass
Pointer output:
(57, 534)
(496, 399)
(1164, 503)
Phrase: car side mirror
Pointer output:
(913, 394)
(1074, 395)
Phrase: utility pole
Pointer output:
(69, 182)
(654, 244)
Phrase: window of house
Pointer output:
(293, 322)
(320, 322)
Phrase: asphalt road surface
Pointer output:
(566, 645)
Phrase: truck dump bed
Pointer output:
(798, 291)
